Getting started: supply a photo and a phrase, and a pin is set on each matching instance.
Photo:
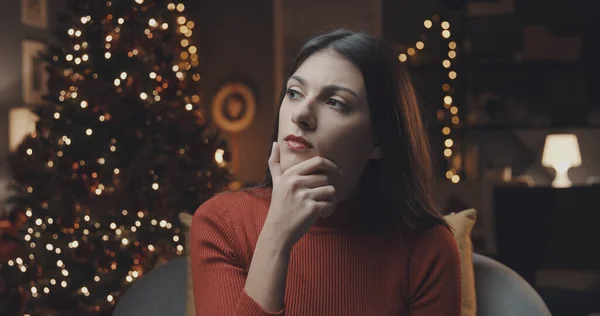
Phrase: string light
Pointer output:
(446, 87)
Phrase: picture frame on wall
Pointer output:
(34, 74)
(34, 13)
(21, 123)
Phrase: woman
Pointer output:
(344, 223)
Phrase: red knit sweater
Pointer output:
(333, 270)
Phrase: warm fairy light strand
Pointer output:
(448, 101)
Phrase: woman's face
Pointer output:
(326, 104)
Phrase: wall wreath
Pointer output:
(234, 107)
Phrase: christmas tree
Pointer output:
(121, 147)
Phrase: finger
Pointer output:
(313, 180)
(274, 163)
(323, 208)
(323, 193)
(315, 165)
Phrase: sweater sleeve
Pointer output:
(435, 283)
(218, 273)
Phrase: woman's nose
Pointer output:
(303, 116)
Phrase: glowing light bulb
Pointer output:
(428, 24)
(455, 178)
(219, 153)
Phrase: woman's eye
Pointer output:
(336, 103)
(293, 94)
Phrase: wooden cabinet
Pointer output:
(544, 227)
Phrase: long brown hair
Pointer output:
(398, 185)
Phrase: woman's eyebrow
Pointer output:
(331, 87)
(298, 78)
(334, 88)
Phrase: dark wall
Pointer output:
(236, 43)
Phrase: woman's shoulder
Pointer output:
(437, 239)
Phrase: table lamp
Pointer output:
(561, 152)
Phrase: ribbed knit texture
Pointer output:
(333, 270)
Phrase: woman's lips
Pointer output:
(298, 146)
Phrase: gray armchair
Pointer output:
(500, 292)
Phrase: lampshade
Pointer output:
(561, 151)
